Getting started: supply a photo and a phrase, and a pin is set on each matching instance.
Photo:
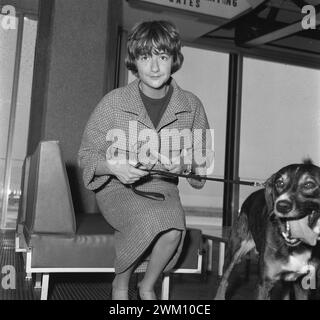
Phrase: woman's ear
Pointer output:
(269, 193)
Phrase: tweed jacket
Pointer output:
(122, 113)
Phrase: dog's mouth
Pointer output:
(286, 234)
(306, 229)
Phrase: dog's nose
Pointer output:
(284, 206)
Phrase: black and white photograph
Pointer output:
(164, 150)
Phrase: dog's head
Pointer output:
(293, 194)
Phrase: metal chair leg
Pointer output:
(45, 286)
(165, 287)
(222, 247)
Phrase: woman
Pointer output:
(129, 132)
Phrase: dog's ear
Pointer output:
(269, 192)
(307, 161)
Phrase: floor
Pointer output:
(98, 286)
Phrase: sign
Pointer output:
(226, 9)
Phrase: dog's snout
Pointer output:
(284, 206)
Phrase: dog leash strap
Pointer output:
(160, 197)
(199, 177)
(149, 195)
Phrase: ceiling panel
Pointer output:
(266, 19)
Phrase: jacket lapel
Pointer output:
(132, 103)
(177, 104)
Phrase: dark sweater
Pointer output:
(156, 107)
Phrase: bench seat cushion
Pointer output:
(91, 247)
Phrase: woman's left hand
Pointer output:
(174, 168)
(176, 165)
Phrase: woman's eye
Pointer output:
(164, 57)
(144, 58)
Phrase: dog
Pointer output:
(281, 222)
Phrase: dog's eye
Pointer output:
(279, 184)
(309, 185)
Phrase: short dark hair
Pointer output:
(154, 36)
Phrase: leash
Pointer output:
(161, 197)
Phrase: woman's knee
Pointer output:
(173, 235)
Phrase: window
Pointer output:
(280, 118)
(205, 73)
(17, 48)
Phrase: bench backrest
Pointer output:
(49, 207)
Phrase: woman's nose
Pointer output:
(154, 64)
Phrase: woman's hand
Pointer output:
(176, 165)
(124, 171)
(174, 168)
(198, 183)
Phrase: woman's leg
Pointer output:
(120, 284)
(161, 253)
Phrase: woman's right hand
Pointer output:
(124, 171)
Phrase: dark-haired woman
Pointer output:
(149, 232)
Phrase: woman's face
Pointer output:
(154, 71)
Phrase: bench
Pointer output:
(55, 239)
